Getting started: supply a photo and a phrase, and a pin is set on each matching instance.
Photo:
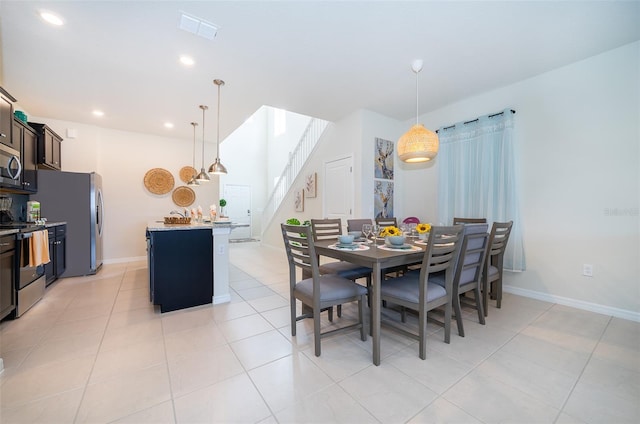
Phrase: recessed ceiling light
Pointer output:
(98, 113)
(168, 125)
(187, 60)
(51, 18)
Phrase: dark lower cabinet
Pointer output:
(180, 268)
(57, 253)
(7, 275)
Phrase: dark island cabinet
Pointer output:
(25, 136)
(180, 268)
(49, 147)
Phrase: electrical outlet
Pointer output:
(587, 270)
(221, 249)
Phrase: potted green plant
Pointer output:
(223, 203)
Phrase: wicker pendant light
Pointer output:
(217, 168)
(418, 144)
(203, 177)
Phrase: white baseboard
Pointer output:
(221, 299)
(574, 303)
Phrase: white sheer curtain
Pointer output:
(477, 177)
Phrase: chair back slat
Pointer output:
(387, 222)
(356, 224)
(326, 229)
(457, 220)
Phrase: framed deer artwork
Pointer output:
(384, 159)
(383, 178)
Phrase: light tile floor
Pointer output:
(95, 350)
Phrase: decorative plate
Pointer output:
(158, 181)
(183, 196)
(186, 172)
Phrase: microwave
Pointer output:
(10, 167)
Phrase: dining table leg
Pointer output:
(375, 313)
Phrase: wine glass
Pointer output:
(375, 230)
(366, 230)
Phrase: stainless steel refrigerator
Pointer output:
(75, 198)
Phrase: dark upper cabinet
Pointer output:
(6, 119)
(49, 147)
(28, 139)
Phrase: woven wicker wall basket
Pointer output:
(183, 196)
(158, 181)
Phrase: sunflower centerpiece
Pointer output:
(423, 230)
(392, 235)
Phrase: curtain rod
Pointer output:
(476, 120)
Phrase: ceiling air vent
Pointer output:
(197, 26)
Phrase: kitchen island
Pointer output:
(188, 264)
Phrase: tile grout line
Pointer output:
(86, 385)
(586, 364)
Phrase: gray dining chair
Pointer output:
(330, 229)
(319, 292)
(492, 278)
(356, 224)
(415, 291)
(457, 221)
(387, 222)
(469, 272)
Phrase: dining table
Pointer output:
(378, 258)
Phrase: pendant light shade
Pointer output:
(203, 177)
(192, 180)
(418, 144)
(217, 168)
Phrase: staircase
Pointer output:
(297, 159)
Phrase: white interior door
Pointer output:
(238, 209)
(338, 195)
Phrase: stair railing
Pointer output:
(297, 159)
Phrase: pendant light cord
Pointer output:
(218, 131)
(417, 103)
(203, 109)
(194, 124)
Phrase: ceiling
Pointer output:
(319, 58)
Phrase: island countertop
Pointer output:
(161, 226)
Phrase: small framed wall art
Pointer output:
(310, 185)
(299, 200)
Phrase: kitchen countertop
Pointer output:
(9, 231)
(161, 226)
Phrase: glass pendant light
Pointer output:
(418, 144)
(203, 177)
(217, 167)
(193, 181)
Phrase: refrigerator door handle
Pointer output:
(99, 211)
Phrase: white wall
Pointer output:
(578, 142)
(243, 153)
(123, 158)
(280, 146)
